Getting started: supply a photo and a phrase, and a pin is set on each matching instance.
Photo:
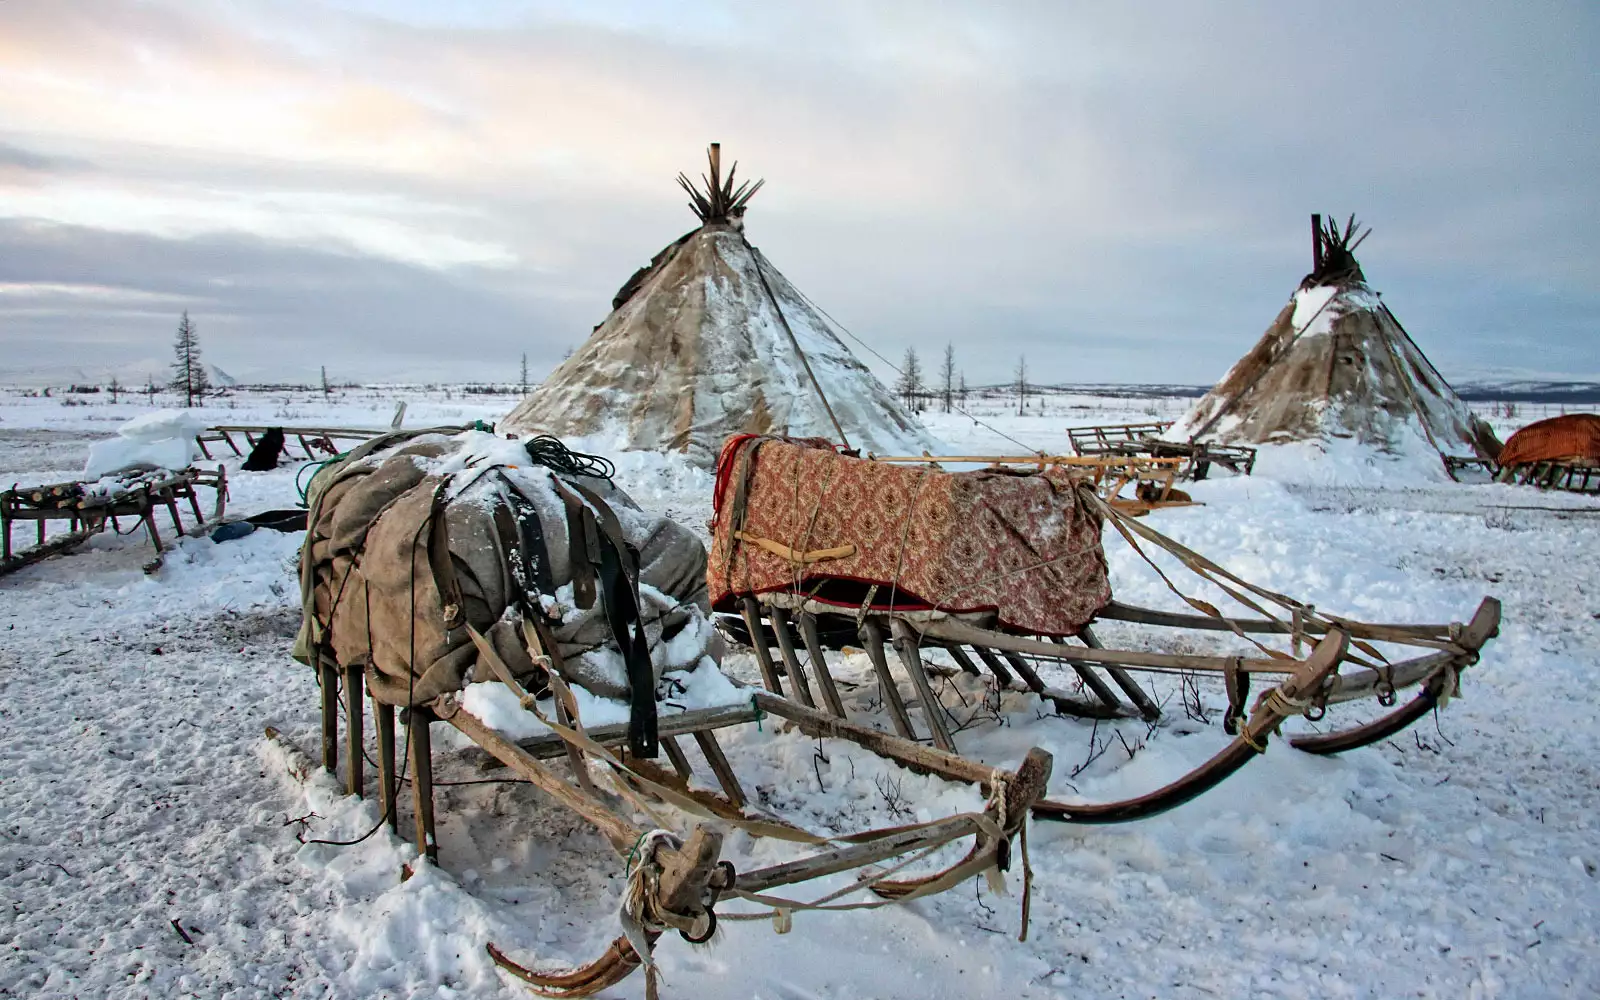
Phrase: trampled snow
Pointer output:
(1461, 859)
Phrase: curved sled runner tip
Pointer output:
(1275, 706)
(1438, 687)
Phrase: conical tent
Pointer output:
(710, 341)
(1337, 364)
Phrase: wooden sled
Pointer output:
(87, 514)
(1330, 674)
(676, 882)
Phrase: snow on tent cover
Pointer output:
(708, 341)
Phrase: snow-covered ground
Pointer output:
(1459, 860)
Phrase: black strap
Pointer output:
(520, 529)
(606, 550)
(442, 563)
(582, 546)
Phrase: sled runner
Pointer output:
(1003, 573)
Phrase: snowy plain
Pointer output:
(138, 797)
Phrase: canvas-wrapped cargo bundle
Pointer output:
(797, 517)
(1573, 437)
(415, 541)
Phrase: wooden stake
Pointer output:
(330, 718)
(388, 787)
(355, 731)
(419, 721)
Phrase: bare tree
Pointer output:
(523, 382)
(114, 388)
(327, 390)
(909, 388)
(947, 378)
(1021, 383)
(188, 373)
(961, 388)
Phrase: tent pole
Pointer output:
(755, 257)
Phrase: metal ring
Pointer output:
(1314, 713)
(711, 928)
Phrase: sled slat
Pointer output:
(913, 755)
(550, 745)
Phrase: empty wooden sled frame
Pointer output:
(87, 511)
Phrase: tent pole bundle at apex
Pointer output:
(1337, 365)
(1007, 570)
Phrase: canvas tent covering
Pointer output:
(417, 539)
(1021, 550)
(708, 341)
(1336, 363)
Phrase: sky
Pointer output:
(407, 189)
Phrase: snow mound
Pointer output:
(164, 439)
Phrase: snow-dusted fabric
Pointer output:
(371, 593)
(1336, 364)
(1022, 545)
(1569, 438)
(695, 352)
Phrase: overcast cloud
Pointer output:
(407, 189)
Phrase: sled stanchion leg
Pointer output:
(872, 636)
(905, 643)
(1148, 709)
(194, 505)
(1093, 681)
(751, 612)
(680, 763)
(1025, 669)
(963, 660)
(791, 662)
(819, 663)
(355, 732)
(422, 780)
(172, 509)
(719, 767)
(330, 718)
(383, 721)
(993, 662)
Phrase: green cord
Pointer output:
(303, 488)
